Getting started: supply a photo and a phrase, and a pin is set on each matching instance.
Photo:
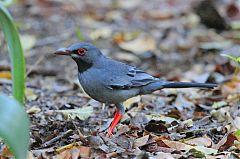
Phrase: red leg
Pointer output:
(116, 119)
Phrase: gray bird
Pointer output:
(113, 82)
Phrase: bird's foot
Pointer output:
(116, 119)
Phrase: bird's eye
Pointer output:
(81, 51)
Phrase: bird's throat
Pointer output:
(82, 65)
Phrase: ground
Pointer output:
(164, 38)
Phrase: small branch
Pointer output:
(53, 140)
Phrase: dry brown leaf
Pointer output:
(66, 154)
(177, 145)
(5, 75)
(229, 142)
(74, 153)
(6, 152)
(231, 87)
(84, 151)
(141, 141)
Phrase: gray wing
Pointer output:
(131, 78)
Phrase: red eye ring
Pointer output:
(81, 51)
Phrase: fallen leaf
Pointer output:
(5, 152)
(220, 45)
(141, 141)
(237, 134)
(33, 110)
(162, 155)
(30, 95)
(27, 41)
(84, 151)
(66, 154)
(5, 75)
(139, 45)
(120, 37)
(181, 146)
(236, 122)
(128, 103)
(182, 103)
(188, 123)
(104, 32)
(166, 119)
(200, 141)
(177, 145)
(80, 113)
(221, 114)
(156, 127)
(205, 150)
(219, 104)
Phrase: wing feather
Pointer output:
(131, 79)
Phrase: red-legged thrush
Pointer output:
(113, 82)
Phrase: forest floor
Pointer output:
(163, 38)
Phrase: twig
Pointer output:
(34, 66)
(64, 134)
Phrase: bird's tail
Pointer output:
(168, 84)
(188, 85)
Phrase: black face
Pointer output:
(84, 54)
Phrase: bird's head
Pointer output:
(84, 54)
(81, 52)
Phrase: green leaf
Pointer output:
(80, 113)
(16, 53)
(236, 59)
(196, 153)
(14, 126)
(237, 134)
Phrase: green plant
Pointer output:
(237, 69)
(14, 123)
(14, 126)
(16, 53)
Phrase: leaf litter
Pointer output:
(164, 38)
